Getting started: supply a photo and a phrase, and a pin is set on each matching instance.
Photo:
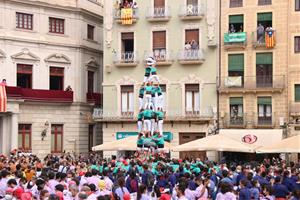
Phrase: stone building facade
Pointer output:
(46, 46)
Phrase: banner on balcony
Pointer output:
(126, 16)
(3, 98)
(233, 81)
(235, 37)
(270, 39)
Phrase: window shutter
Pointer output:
(236, 100)
(297, 92)
(236, 62)
(159, 39)
(24, 69)
(192, 87)
(196, 101)
(264, 58)
(262, 17)
(127, 36)
(56, 71)
(189, 101)
(124, 102)
(264, 101)
(236, 19)
(192, 34)
(297, 44)
(159, 3)
(192, 2)
(126, 88)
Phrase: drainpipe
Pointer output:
(219, 69)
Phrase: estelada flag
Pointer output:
(3, 98)
(126, 16)
(270, 39)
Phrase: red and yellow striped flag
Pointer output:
(126, 15)
(270, 39)
(3, 98)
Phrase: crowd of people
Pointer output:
(66, 177)
(126, 4)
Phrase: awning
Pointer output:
(288, 145)
(215, 143)
(126, 144)
(254, 137)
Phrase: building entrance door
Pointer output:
(188, 137)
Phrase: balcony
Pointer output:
(251, 84)
(262, 42)
(97, 113)
(126, 59)
(127, 115)
(37, 95)
(191, 57)
(163, 57)
(230, 120)
(191, 12)
(95, 98)
(235, 40)
(294, 109)
(118, 16)
(161, 14)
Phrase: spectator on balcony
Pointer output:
(3, 82)
(232, 29)
(134, 5)
(69, 89)
(241, 28)
(260, 33)
(187, 46)
(194, 45)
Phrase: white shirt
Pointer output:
(92, 196)
(3, 186)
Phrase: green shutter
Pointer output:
(264, 101)
(236, 62)
(236, 19)
(297, 92)
(264, 58)
(236, 100)
(262, 17)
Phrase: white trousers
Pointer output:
(140, 126)
(148, 102)
(155, 102)
(141, 103)
(147, 125)
(146, 79)
(153, 78)
(160, 102)
(160, 126)
(153, 126)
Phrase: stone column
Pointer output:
(14, 131)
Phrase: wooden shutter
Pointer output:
(297, 44)
(192, 34)
(127, 36)
(262, 17)
(159, 39)
(126, 88)
(236, 62)
(264, 101)
(24, 69)
(192, 87)
(264, 58)
(159, 3)
(236, 100)
(236, 19)
(56, 71)
(297, 92)
(192, 2)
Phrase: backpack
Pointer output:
(150, 180)
(133, 185)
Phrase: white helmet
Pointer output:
(150, 61)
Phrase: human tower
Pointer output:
(151, 115)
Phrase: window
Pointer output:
(24, 137)
(297, 92)
(24, 76)
(127, 47)
(56, 138)
(297, 5)
(192, 37)
(236, 111)
(56, 78)
(159, 45)
(264, 19)
(90, 32)
(236, 23)
(235, 3)
(91, 137)
(264, 110)
(297, 44)
(264, 2)
(192, 99)
(235, 70)
(127, 100)
(192, 2)
(90, 81)
(159, 8)
(164, 94)
(56, 25)
(24, 21)
(264, 70)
